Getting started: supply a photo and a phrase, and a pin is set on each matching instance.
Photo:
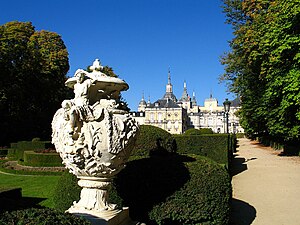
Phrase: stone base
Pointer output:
(114, 217)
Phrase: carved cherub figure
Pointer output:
(78, 109)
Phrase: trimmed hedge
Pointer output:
(218, 147)
(32, 158)
(35, 216)
(146, 182)
(12, 151)
(16, 150)
(153, 139)
(193, 186)
(204, 199)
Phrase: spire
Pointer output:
(143, 99)
(169, 76)
(148, 103)
(169, 89)
(185, 96)
(142, 104)
(194, 101)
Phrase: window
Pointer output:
(152, 117)
(210, 121)
(159, 117)
(169, 125)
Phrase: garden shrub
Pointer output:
(153, 139)
(32, 158)
(192, 131)
(27, 146)
(218, 147)
(66, 192)
(35, 216)
(145, 184)
(204, 199)
(3, 152)
(12, 151)
(16, 150)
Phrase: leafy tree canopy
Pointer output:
(263, 65)
(33, 67)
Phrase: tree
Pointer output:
(263, 65)
(33, 67)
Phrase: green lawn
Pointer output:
(32, 186)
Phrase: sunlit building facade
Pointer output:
(176, 116)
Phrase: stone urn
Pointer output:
(94, 137)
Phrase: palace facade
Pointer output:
(176, 116)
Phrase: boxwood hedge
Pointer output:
(35, 216)
(153, 139)
(204, 199)
(66, 192)
(16, 150)
(32, 158)
(218, 147)
(158, 187)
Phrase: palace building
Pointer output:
(176, 116)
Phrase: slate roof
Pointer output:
(164, 103)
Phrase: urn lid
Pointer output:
(100, 80)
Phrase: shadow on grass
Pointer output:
(242, 213)
(149, 181)
(9, 204)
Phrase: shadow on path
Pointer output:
(242, 213)
(238, 165)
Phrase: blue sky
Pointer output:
(139, 39)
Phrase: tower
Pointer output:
(169, 90)
(194, 101)
(185, 98)
(142, 105)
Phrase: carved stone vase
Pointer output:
(94, 137)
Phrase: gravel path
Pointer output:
(266, 186)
